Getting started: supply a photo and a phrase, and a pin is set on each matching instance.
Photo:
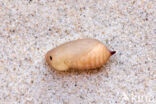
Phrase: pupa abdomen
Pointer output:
(95, 58)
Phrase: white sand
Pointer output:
(29, 29)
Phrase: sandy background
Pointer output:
(29, 28)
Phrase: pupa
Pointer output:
(81, 54)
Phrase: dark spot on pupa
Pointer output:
(51, 58)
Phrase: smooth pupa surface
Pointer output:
(81, 54)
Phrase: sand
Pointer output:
(29, 28)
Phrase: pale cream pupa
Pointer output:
(81, 54)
